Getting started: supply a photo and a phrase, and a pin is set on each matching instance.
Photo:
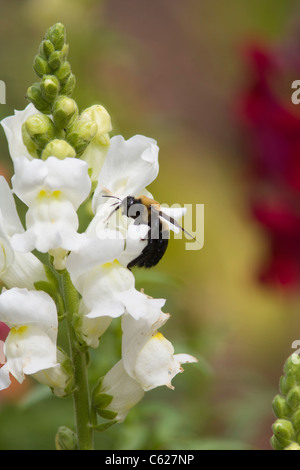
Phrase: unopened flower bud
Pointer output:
(40, 66)
(80, 134)
(65, 439)
(50, 88)
(280, 407)
(58, 148)
(55, 60)
(296, 420)
(28, 142)
(293, 397)
(46, 48)
(68, 87)
(34, 94)
(41, 129)
(284, 432)
(64, 111)
(98, 114)
(293, 446)
(57, 35)
(96, 151)
(63, 72)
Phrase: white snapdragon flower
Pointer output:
(129, 167)
(16, 269)
(108, 290)
(12, 126)
(148, 361)
(31, 343)
(53, 190)
(147, 355)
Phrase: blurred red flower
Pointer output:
(271, 131)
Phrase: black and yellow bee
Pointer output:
(145, 210)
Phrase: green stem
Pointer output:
(81, 395)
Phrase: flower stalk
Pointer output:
(78, 354)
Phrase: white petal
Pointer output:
(148, 357)
(11, 220)
(53, 189)
(68, 176)
(12, 126)
(91, 329)
(109, 290)
(7, 255)
(126, 392)
(19, 307)
(91, 253)
(24, 271)
(4, 378)
(136, 241)
(51, 224)
(28, 350)
(55, 377)
(102, 290)
(136, 333)
(95, 155)
(129, 167)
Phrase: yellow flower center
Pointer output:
(18, 330)
(47, 194)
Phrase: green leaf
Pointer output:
(104, 426)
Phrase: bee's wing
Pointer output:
(155, 208)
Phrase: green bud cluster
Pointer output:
(51, 65)
(65, 133)
(286, 429)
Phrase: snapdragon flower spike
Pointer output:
(148, 361)
(53, 190)
(12, 126)
(16, 269)
(31, 343)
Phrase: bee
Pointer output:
(145, 210)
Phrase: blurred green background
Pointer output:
(172, 70)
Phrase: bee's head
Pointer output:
(127, 203)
